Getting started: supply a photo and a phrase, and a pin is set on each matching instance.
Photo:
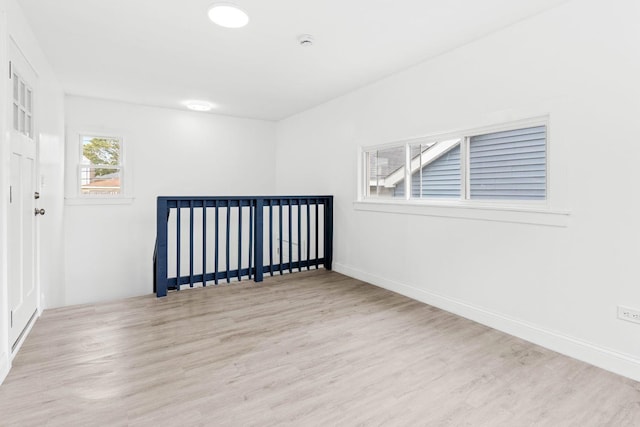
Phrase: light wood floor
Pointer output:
(306, 349)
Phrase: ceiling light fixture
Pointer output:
(199, 105)
(228, 15)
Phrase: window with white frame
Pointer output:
(383, 167)
(100, 169)
(502, 163)
(22, 106)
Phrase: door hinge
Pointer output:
(11, 194)
(12, 318)
(10, 65)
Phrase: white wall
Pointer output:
(558, 286)
(108, 248)
(49, 126)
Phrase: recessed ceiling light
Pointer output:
(228, 15)
(199, 105)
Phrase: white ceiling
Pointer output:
(163, 52)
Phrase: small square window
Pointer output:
(22, 93)
(22, 116)
(100, 168)
(29, 126)
(16, 85)
(22, 106)
(16, 118)
(28, 101)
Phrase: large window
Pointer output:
(100, 169)
(505, 163)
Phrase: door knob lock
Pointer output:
(39, 212)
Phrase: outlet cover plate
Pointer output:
(628, 314)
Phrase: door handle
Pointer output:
(39, 211)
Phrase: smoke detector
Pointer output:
(305, 40)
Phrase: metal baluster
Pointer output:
(215, 249)
(239, 240)
(250, 234)
(228, 236)
(191, 243)
(270, 238)
(290, 242)
(280, 231)
(259, 239)
(178, 219)
(317, 233)
(204, 243)
(308, 234)
(299, 236)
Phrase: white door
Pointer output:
(23, 293)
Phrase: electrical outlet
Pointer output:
(629, 314)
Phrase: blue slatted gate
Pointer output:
(205, 240)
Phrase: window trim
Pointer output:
(482, 212)
(539, 212)
(74, 195)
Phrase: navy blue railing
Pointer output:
(228, 238)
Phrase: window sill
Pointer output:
(535, 215)
(83, 201)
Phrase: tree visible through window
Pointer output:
(100, 165)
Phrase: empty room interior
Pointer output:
(410, 212)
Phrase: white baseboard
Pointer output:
(4, 367)
(601, 357)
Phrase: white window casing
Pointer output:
(103, 180)
(498, 172)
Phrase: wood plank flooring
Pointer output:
(307, 349)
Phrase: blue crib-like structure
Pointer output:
(203, 240)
